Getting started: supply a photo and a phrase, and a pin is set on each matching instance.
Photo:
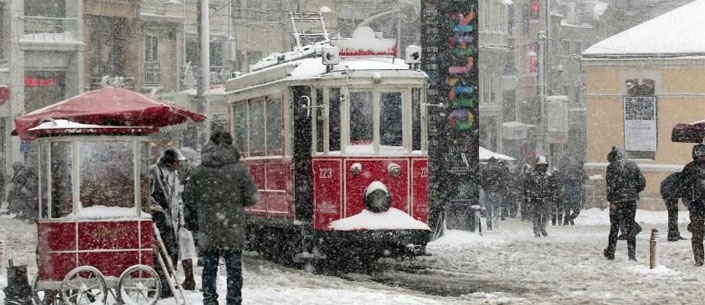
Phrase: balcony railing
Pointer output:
(218, 75)
(50, 29)
(151, 73)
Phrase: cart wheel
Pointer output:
(84, 285)
(44, 296)
(139, 284)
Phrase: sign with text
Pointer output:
(640, 123)
(449, 42)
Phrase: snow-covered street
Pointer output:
(504, 266)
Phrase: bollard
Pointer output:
(653, 253)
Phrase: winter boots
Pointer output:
(189, 283)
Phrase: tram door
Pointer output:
(303, 186)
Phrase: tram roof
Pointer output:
(313, 68)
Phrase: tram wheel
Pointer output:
(84, 285)
(139, 285)
(42, 296)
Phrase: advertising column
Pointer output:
(449, 42)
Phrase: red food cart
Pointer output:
(94, 231)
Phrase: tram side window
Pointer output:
(257, 125)
(390, 123)
(274, 124)
(240, 113)
(416, 118)
(320, 118)
(361, 119)
(61, 191)
(107, 177)
(334, 119)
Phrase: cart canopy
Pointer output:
(107, 107)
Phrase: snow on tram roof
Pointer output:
(312, 67)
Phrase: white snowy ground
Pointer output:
(504, 266)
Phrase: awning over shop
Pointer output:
(486, 154)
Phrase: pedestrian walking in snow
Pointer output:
(692, 181)
(671, 192)
(511, 192)
(525, 208)
(164, 204)
(539, 195)
(557, 206)
(492, 176)
(187, 245)
(216, 195)
(624, 182)
(572, 189)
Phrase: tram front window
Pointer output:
(361, 119)
(390, 121)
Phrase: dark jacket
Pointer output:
(670, 189)
(624, 178)
(692, 181)
(216, 195)
(539, 186)
(493, 176)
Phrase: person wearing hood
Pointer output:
(692, 181)
(539, 195)
(216, 195)
(624, 181)
(671, 192)
(164, 204)
(492, 183)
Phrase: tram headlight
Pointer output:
(377, 198)
(394, 170)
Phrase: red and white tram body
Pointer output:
(93, 234)
(335, 140)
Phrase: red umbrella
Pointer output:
(108, 106)
(688, 132)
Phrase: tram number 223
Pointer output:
(325, 173)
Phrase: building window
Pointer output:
(535, 9)
(216, 53)
(151, 48)
(236, 6)
(43, 88)
(525, 19)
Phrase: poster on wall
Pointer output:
(449, 47)
(640, 123)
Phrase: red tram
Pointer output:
(95, 239)
(334, 135)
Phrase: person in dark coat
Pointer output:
(572, 184)
(671, 192)
(525, 208)
(557, 206)
(23, 198)
(164, 204)
(216, 195)
(492, 181)
(539, 195)
(624, 181)
(511, 192)
(692, 181)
